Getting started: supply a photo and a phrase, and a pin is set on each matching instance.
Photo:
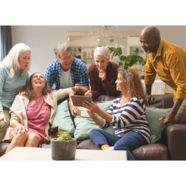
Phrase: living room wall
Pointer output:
(42, 39)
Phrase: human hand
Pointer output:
(76, 88)
(91, 114)
(149, 99)
(2, 116)
(75, 111)
(102, 75)
(90, 106)
(88, 93)
(167, 118)
(20, 129)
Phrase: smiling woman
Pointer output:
(31, 112)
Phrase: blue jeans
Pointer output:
(129, 142)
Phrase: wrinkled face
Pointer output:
(149, 43)
(120, 83)
(65, 59)
(38, 80)
(101, 62)
(24, 59)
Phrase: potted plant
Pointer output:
(63, 147)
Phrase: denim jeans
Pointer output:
(129, 142)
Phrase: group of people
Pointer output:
(27, 105)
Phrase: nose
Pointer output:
(142, 45)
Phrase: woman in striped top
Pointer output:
(127, 115)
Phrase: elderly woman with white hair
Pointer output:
(102, 74)
(13, 75)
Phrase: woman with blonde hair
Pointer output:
(127, 115)
(32, 112)
(13, 75)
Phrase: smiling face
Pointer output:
(24, 59)
(38, 81)
(65, 59)
(120, 83)
(101, 62)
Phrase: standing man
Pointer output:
(169, 62)
(67, 71)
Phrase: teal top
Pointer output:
(9, 86)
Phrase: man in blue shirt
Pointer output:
(66, 71)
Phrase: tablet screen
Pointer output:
(78, 100)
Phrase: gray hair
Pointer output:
(102, 51)
(12, 59)
(60, 47)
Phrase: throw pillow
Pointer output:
(84, 123)
(62, 118)
(153, 115)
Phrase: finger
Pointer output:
(152, 99)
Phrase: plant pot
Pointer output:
(63, 150)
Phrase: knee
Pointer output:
(34, 136)
(93, 132)
(120, 146)
(20, 136)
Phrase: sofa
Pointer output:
(171, 146)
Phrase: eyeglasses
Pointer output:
(65, 58)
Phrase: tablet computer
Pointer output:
(78, 100)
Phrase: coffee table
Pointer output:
(28, 153)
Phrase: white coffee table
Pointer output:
(27, 153)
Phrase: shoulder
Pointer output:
(137, 101)
(53, 64)
(92, 68)
(78, 62)
(114, 65)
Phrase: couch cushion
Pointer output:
(151, 152)
(156, 126)
(84, 123)
(63, 119)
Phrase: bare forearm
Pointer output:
(105, 115)
(83, 89)
(98, 120)
(148, 89)
(176, 106)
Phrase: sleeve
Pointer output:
(110, 86)
(62, 93)
(14, 117)
(27, 77)
(94, 85)
(49, 75)
(130, 112)
(2, 82)
(83, 81)
(150, 73)
(176, 64)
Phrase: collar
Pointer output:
(159, 51)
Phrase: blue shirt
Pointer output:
(79, 73)
(9, 86)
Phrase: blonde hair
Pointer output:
(134, 85)
(11, 60)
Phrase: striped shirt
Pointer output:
(79, 73)
(128, 117)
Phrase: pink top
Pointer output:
(38, 114)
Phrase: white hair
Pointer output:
(11, 60)
(60, 47)
(102, 51)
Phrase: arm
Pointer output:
(177, 71)
(98, 120)
(62, 93)
(95, 90)
(82, 90)
(49, 75)
(129, 113)
(2, 81)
